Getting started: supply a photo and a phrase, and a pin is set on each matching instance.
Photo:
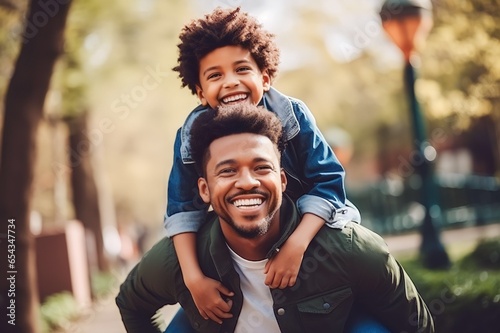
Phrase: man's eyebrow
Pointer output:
(261, 159)
(233, 161)
(224, 162)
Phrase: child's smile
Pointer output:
(232, 99)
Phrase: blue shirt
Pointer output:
(315, 176)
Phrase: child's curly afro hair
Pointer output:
(224, 27)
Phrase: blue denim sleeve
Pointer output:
(323, 172)
(186, 210)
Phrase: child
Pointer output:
(224, 58)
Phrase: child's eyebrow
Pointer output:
(210, 69)
(243, 61)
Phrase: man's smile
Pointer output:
(248, 203)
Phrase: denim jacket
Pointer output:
(315, 176)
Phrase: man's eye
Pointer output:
(227, 171)
(264, 168)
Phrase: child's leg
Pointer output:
(361, 322)
(180, 323)
(358, 322)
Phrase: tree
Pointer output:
(85, 196)
(461, 73)
(75, 111)
(42, 45)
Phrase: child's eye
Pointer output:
(243, 69)
(213, 76)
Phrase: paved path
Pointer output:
(410, 242)
(104, 317)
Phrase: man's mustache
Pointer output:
(249, 192)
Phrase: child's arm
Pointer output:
(320, 195)
(282, 270)
(206, 292)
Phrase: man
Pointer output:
(237, 151)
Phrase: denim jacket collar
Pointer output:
(272, 100)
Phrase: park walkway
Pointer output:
(104, 316)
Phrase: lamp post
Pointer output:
(407, 22)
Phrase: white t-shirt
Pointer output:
(257, 312)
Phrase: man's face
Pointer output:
(230, 75)
(244, 183)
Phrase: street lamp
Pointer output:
(408, 23)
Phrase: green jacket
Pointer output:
(340, 268)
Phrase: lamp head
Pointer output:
(407, 22)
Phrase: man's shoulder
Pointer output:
(159, 252)
(353, 240)
(159, 264)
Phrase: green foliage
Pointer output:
(465, 298)
(103, 283)
(461, 72)
(486, 255)
(58, 311)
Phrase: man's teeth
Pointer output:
(247, 202)
(234, 98)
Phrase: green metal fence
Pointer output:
(391, 206)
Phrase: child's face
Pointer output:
(228, 75)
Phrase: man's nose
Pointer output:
(246, 180)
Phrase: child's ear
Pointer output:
(201, 96)
(203, 190)
(266, 80)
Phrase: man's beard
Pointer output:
(253, 232)
(260, 230)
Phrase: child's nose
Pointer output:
(231, 80)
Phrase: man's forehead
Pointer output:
(240, 144)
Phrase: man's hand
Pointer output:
(282, 269)
(207, 295)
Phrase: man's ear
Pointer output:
(201, 96)
(266, 80)
(203, 190)
(283, 180)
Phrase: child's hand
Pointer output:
(282, 269)
(206, 294)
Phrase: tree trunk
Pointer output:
(42, 44)
(85, 197)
